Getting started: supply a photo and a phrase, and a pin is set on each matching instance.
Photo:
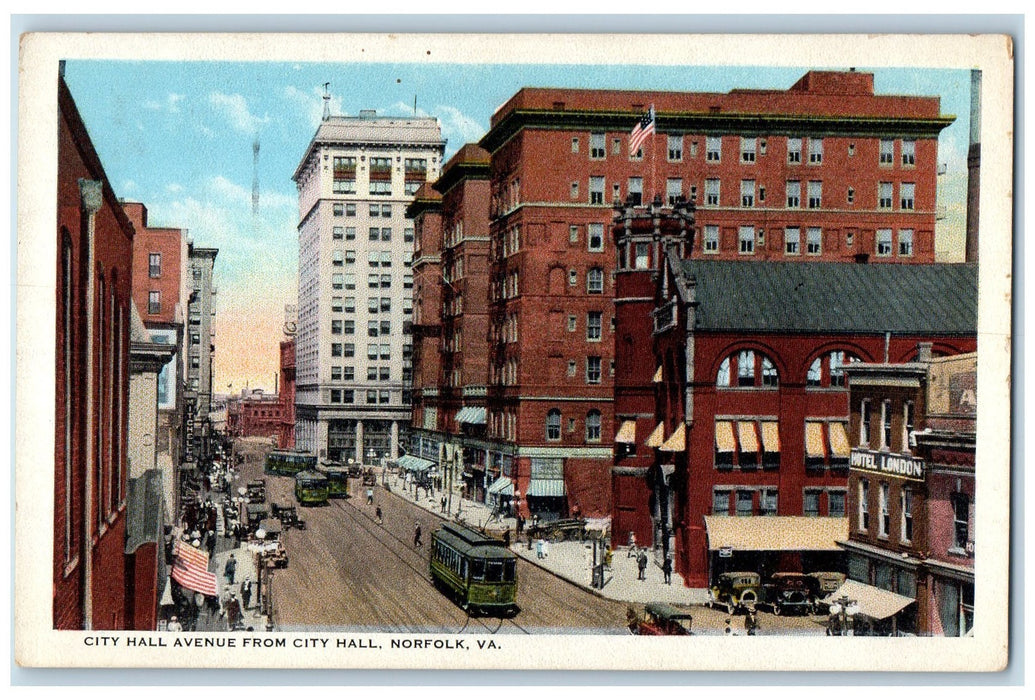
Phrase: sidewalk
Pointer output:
(570, 561)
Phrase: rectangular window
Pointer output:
(371, 396)
(386, 281)
(748, 147)
(575, 144)
(720, 502)
(815, 194)
(596, 190)
(864, 504)
(887, 151)
(908, 152)
(336, 350)
(386, 210)
(793, 150)
(350, 233)
(907, 515)
(675, 147)
(960, 520)
(815, 151)
(769, 501)
(597, 146)
(794, 194)
(338, 233)
(349, 350)
(374, 234)
(348, 396)
(641, 258)
(154, 302)
(385, 351)
(335, 327)
(335, 374)
(883, 242)
(371, 373)
(711, 239)
(595, 237)
(386, 234)
(339, 209)
(713, 149)
(350, 209)
(791, 241)
(836, 504)
(594, 323)
(811, 504)
(745, 503)
(905, 242)
(850, 196)
(381, 188)
(407, 235)
(884, 195)
(371, 351)
(592, 370)
(349, 305)
(372, 329)
(673, 189)
(907, 195)
(636, 190)
(814, 241)
(885, 419)
(336, 304)
(746, 237)
(375, 210)
(595, 281)
(154, 265)
(711, 192)
(747, 193)
(885, 511)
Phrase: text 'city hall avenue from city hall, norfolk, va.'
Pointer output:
(709, 325)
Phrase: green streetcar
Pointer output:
(476, 570)
(289, 462)
(311, 488)
(337, 475)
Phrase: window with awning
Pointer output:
(658, 375)
(815, 453)
(725, 444)
(839, 446)
(627, 432)
(770, 443)
(657, 436)
(748, 437)
(677, 441)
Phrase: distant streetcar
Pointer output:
(337, 475)
(289, 462)
(476, 570)
(311, 488)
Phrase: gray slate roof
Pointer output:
(835, 297)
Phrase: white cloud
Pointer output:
(457, 127)
(174, 188)
(129, 186)
(310, 103)
(170, 104)
(235, 109)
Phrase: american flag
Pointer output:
(643, 129)
(190, 570)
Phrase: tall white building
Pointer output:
(355, 286)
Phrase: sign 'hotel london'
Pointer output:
(885, 463)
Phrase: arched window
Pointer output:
(747, 368)
(553, 424)
(828, 370)
(593, 426)
(595, 281)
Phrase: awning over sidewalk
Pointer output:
(873, 602)
(546, 488)
(473, 415)
(676, 441)
(786, 533)
(503, 486)
(627, 433)
(415, 464)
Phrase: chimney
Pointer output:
(923, 352)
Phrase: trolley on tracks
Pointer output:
(476, 570)
(337, 475)
(311, 488)
(289, 462)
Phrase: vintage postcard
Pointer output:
(358, 351)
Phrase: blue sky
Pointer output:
(178, 137)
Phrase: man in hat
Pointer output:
(233, 612)
(174, 625)
(230, 569)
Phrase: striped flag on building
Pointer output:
(190, 570)
(643, 129)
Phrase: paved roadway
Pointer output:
(347, 572)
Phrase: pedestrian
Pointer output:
(751, 622)
(417, 542)
(632, 545)
(539, 548)
(443, 504)
(210, 538)
(520, 526)
(546, 549)
(377, 514)
(246, 592)
(666, 568)
(609, 556)
(233, 612)
(641, 564)
(230, 569)
(370, 497)
(174, 625)
(506, 538)
(729, 630)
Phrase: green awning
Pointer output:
(415, 464)
(503, 486)
(553, 488)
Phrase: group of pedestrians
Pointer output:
(640, 553)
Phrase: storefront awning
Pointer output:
(748, 436)
(785, 533)
(503, 486)
(473, 415)
(839, 440)
(658, 375)
(873, 602)
(657, 436)
(415, 464)
(724, 436)
(627, 433)
(546, 488)
(771, 436)
(677, 441)
(814, 439)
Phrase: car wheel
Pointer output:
(777, 610)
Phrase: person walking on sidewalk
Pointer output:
(246, 592)
(539, 548)
(377, 515)
(230, 569)
(233, 612)
(546, 549)
(641, 564)
(370, 497)
(443, 503)
(417, 542)
(666, 569)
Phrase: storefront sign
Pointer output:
(902, 466)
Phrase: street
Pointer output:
(347, 572)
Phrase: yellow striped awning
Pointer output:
(724, 436)
(676, 441)
(748, 436)
(627, 433)
(814, 439)
(657, 437)
(770, 436)
(658, 375)
(839, 440)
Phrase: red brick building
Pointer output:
(911, 495)
(94, 276)
(255, 414)
(286, 433)
(451, 271)
(752, 399)
(826, 170)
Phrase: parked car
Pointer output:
(737, 590)
(788, 592)
(660, 619)
(821, 584)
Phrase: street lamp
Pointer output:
(842, 611)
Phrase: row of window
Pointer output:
(751, 148)
(373, 396)
(883, 515)
(374, 305)
(347, 373)
(351, 209)
(728, 500)
(880, 436)
(553, 425)
(749, 238)
(375, 233)
(374, 328)
(347, 280)
(752, 369)
(749, 444)
(375, 351)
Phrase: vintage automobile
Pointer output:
(821, 584)
(256, 491)
(737, 590)
(369, 478)
(788, 592)
(288, 516)
(660, 619)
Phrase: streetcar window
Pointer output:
(477, 569)
(508, 570)
(463, 569)
(494, 571)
